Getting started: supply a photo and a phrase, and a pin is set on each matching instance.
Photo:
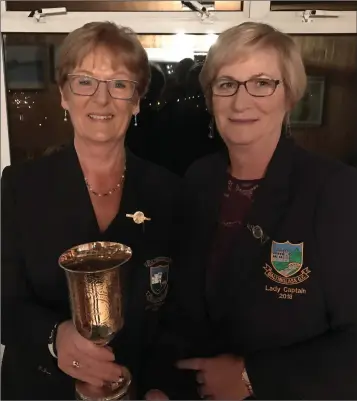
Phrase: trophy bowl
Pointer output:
(95, 292)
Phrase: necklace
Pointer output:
(246, 190)
(108, 193)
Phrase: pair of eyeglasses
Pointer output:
(257, 87)
(84, 85)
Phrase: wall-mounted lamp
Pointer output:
(197, 7)
(40, 13)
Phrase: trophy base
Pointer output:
(109, 392)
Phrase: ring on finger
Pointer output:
(76, 364)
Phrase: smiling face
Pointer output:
(243, 119)
(100, 117)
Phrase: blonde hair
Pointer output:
(240, 41)
(121, 42)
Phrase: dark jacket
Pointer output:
(298, 333)
(46, 209)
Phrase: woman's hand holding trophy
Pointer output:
(84, 360)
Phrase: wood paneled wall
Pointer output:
(334, 57)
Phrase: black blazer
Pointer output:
(298, 333)
(46, 209)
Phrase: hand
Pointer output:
(156, 395)
(219, 378)
(95, 364)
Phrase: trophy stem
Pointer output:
(109, 392)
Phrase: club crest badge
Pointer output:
(159, 278)
(286, 262)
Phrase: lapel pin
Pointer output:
(258, 233)
(138, 217)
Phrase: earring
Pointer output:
(65, 116)
(211, 129)
(135, 120)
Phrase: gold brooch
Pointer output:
(138, 217)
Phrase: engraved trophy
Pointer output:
(95, 291)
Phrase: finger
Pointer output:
(102, 371)
(94, 381)
(84, 377)
(155, 395)
(95, 351)
(68, 364)
(107, 371)
(200, 377)
(86, 387)
(193, 364)
(203, 391)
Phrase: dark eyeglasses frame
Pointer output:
(244, 83)
(106, 82)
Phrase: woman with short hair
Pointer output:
(263, 302)
(90, 191)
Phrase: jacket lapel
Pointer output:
(76, 214)
(268, 210)
(73, 199)
(269, 207)
(211, 197)
(202, 196)
(133, 200)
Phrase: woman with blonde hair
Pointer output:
(263, 304)
(90, 191)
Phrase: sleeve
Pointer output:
(25, 323)
(324, 367)
(170, 346)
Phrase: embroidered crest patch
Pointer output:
(159, 278)
(287, 260)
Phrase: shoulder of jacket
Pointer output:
(31, 170)
(318, 168)
(206, 166)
